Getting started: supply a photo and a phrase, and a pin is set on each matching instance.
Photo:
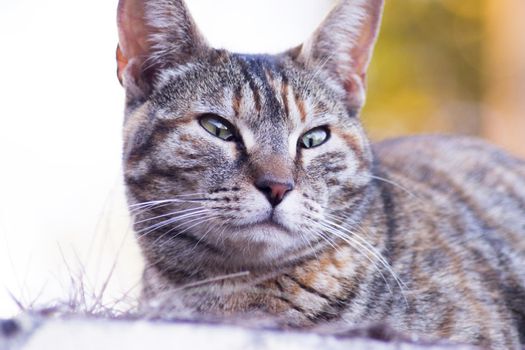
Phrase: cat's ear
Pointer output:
(153, 35)
(342, 46)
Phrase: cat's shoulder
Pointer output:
(455, 173)
(444, 152)
(450, 162)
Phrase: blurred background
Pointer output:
(441, 66)
(449, 66)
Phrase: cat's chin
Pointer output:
(262, 244)
(263, 229)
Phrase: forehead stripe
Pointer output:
(251, 83)
(256, 95)
(300, 106)
(284, 95)
(237, 100)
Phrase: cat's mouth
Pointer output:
(273, 224)
(268, 223)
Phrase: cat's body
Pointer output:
(443, 222)
(257, 194)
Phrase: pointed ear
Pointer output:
(342, 46)
(153, 35)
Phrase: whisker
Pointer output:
(140, 210)
(164, 223)
(348, 239)
(170, 220)
(429, 206)
(308, 243)
(220, 235)
(211, 280)
(393, 183)
(324, 236)
(318, 71)
(361, 239)
(174, 199)
(353, 243)
(169, 214)
(365, 242)
(205, 234)
(372, 250)
(199, 219)
(345, 221)
(153, 310)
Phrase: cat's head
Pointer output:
(239, 160)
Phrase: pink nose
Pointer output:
(274, 190)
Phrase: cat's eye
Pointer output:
(315, 137)
(218, 127)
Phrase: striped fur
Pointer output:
(426, 234)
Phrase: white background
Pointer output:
(62, 206)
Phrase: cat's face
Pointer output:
(238, 160)
(221, 134)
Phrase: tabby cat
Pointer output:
(255, 190)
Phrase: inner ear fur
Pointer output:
(342, 46)
(153, 35)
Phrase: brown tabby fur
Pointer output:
(426, 234)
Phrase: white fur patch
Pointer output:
(247, 135)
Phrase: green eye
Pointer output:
(218, 127)
(315, 137)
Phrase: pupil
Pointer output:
(309, 142)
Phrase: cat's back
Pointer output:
(459, 209)
(457, 165)
(443, 150)
(459, 175)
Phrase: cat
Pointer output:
(255, 190)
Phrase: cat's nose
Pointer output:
(274, 190)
